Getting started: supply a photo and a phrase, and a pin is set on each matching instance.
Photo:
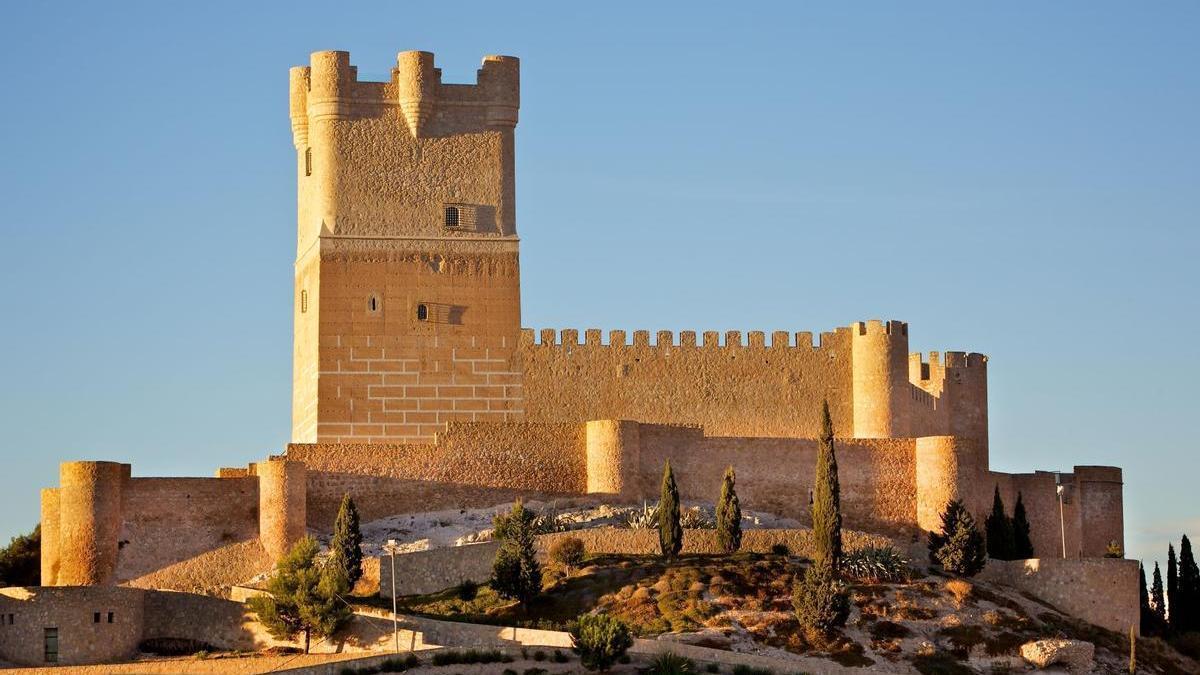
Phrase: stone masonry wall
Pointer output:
(169, 520)
(1102, 591)
(469, 465)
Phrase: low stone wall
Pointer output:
(437, 569)
(422, 572)
(1102, 591)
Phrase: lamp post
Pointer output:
(1062, 521)
(390, 547)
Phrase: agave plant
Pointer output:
(875, 564)
(644, 519)
(696, 518)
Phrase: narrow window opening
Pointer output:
(452, 216)
(50, 645)
(308, 161)
(373, 304)
(110, 617)
(303, 301)
(96, 617)
(422, 313)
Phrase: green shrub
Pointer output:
(466, 590)
(539, 655)
(599, 640)
(471, 656)
(509, 671)
(742, 669)
(567, 552)
(560, 657)
(875, 564)
(821, 601)
(712, 668)
(670, 663)
(959, 548)
(516, 573)
(535, 671)
(780, 548)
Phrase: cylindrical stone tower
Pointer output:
(282, 504)
(613, 455)
(880, 379)
(50, 520)
(948, 467)
(89, 506)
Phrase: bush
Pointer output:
(471, 656)
(959, 548)
(961, 590)
(712, 668)
(670, 663)
(820, 600)
(560, 657)
(599, 640)
(21, 560)
(875, 564)
(466, 590)
(696, 519)
(516, 573)
(741, 669)
(567, 552)
(780, 548)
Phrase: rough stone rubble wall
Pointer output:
(1102, 591)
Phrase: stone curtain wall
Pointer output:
(729, 387)
(169, 520)
(775, 474)
(1102, 591)
(469, 465)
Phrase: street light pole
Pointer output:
(391, 548)
(1062, 521)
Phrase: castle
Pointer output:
(416, 388)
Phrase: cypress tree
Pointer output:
(1145, 613)
(346, 545)
(729, 515)
(1157, 603)
(827, 499)
(670, 532)
(999, 530)
(1022, 544)
(1189, 588)
(1172, 589)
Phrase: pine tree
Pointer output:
(1189, 588)
(303, 597)
(959, 548)
(1022, 544)
(827, 499)
(1145, 613)
(999, 528)
(516, 573)
(346, 545)
(1172, 589)
(1157, 603)
(729, 515)
(670, 532)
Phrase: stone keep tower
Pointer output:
(407, 298)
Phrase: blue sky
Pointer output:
(1021, 180)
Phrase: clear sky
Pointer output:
(1020, 179)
